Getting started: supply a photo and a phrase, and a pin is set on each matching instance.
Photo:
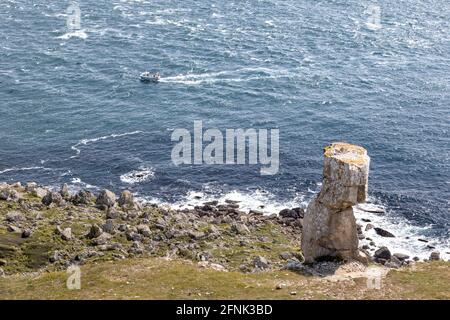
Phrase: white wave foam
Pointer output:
(74, 34)
(258, 200)
(138, 176)
(84, 142)
(406, 235)
(79, 183)
(25, 169)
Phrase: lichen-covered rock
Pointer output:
(8, 194)
(83, 197)
(94, 232)
(65, 191)
(126, 199)
(435, 256)
(260, 263)
(329, 225)
(14, 216)
(382, 253)
(66, 234)
(106, 199)
(54, 198)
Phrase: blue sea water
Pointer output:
(72, 108)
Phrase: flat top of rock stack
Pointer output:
(345, 152)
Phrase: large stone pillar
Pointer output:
(329, 226)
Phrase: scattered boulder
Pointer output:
(106, 199)
(66, 234)
(287, 213)
(26, 233)
(382, 254)
(101, 239)
(394, 263)
(39, 192)
(109, 226)
(83, 197)
(435, 256)
(286, 255)
(294, 265)
(112, 213)
(54, 198)
(30, 186)
(144, 230)
(239, 228)
(401, 256)
(14, 229)
(126, 199)
(383, 233)
(94, 232)
(369, 226)
(260, 262)
(9, 194)
(65, 192)
(14, 216)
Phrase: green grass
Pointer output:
(157, 278)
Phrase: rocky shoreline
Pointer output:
(49, 230)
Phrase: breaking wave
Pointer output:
(137, 176)
(83, 142)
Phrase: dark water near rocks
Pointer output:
(73, 110)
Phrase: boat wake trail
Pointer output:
(24, 169)
(245, 74)
(83, 142)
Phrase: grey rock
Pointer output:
(394, 263)
(9, 194)
(30, 186)
(83, 197)
(109, 226)
(239, 228)
(14, 216)
(329, 225)
(196, 235)
(435, 256)
(94, 232)
(14, 229)
(382, 253)
(286, 255)
(296, 213)
(294, 266)
(133, 236)
(401, 256)
(106, 199)
(112, 213)
(126, 199)
(66, 234)
(144, 230)
(65, 192)
(260, 262)
(54, 198)
(26, 233)
(369, 226)
(39, 192)
(101, 239)
(383, 233)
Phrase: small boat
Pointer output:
(150, 77)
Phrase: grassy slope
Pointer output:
(157, 278)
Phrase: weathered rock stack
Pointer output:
(329, 226)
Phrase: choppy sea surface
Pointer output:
(72, 108)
